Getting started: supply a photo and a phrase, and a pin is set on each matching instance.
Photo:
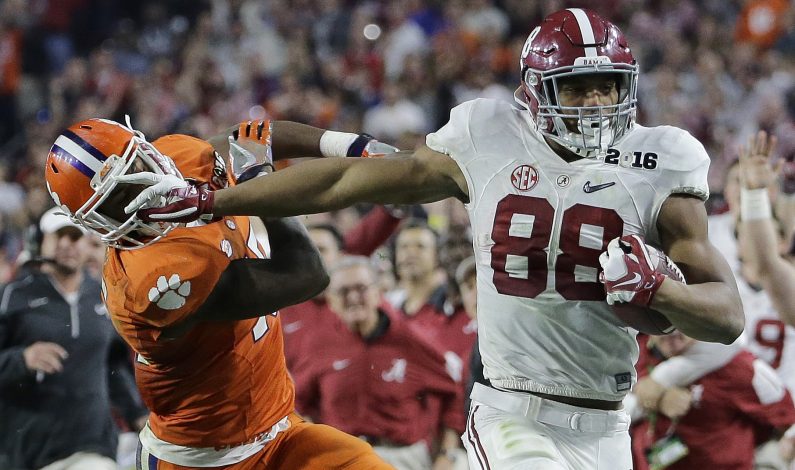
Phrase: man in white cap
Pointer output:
(59, 364)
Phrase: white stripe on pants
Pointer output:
(512, 430)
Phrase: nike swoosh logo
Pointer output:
(290, 328)
(341, 364)
(634, 280)
(592, 189)
(35, 303)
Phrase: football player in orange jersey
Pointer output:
(195, 302)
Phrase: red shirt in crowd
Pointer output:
(451, 330)
(302, 321)
(734, 409)
(381, 387)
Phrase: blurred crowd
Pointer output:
(394, 68)
(721, 69)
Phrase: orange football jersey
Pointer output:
(221, 384)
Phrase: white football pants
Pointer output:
(513, 430)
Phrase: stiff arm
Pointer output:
(330, 184)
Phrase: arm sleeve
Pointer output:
(699, 360)
(12, 361)
(12, 364)
(372, 231)
(691, 167)
(766, 401)
(454, 139)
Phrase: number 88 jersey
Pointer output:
(539, 225)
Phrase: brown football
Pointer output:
(648, 320)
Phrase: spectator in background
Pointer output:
(374, 376)
(95, 258)
(715, 421)
(466, 279)
(422, 293)
(776, 274)
(304, 321)
(394, 116)
(423, 297)
(57, 373)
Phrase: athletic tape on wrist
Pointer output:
(336, 144)
(356, 149)
(755, 204)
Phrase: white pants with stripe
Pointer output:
(512, 430)
(83, 461)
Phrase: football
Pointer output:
(648, 320)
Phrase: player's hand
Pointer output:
(628, 273)
(675, 402)
(250, 150)
(756, 168)
(46, 357)
(648, 392)
(168, 198)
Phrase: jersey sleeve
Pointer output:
(684, 165)
(169, 281)
(455, 139)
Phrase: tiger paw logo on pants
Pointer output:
(169, 294)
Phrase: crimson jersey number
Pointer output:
(770, 333)
(518, 246)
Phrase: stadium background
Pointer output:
(719, 68)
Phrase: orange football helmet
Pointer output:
(81, 172)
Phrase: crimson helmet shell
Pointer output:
(573, 42)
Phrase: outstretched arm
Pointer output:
(708, 307)
(325, 185)
(310, 187)
(776, 274)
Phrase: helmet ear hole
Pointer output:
(54, 168)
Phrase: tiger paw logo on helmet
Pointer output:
(169, 294)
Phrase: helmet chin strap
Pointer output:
(593, 133)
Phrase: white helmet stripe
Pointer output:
(586, 30)
(79, 153)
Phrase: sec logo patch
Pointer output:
(524, 177)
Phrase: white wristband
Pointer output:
(335, 144)
(754, 204)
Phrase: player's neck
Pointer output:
(564, 153)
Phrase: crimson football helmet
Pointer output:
(578, 42)
(81, 172)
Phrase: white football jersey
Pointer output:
(765, 335)
(539, 225)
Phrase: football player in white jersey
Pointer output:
(549, 187)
